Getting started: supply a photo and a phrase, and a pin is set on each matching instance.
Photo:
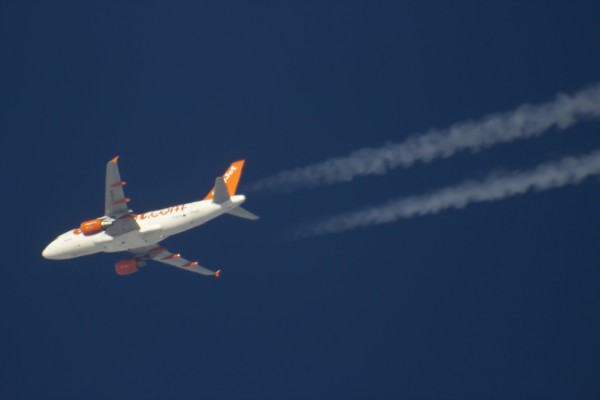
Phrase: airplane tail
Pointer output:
(229, 181)
(225, 187)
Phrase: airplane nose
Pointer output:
(46, 252)
(49, 252)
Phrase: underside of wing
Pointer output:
(115, 202)
(162, 255)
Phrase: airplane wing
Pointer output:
(115, 202)
(158, 253)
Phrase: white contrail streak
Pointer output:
(524, 122)
(568, 171)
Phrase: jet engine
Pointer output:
(93, 226)
(127, 266)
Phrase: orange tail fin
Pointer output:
(231, 178)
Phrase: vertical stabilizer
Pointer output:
(219, 192)
(230, 179)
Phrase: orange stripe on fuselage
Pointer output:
(164, 211)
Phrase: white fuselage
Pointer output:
(155, 226)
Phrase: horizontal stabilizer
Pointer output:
(242, 213)
(220, 193)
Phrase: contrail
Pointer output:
(524, 122)
(568, 171)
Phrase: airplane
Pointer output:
(139, 234)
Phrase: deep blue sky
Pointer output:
(496, 301)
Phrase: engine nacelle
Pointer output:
(94, 226)
(127, 266)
